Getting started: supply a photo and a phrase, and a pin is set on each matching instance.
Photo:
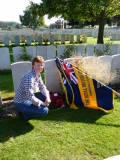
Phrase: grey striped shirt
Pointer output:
(29, 84)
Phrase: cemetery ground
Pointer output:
(83, 134)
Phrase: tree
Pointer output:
(79, 10)
(75, 24)
(30, 19)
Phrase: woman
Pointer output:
(29, 102)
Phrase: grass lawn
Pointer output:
(6, 86)
(64, 134)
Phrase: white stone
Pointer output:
(42, 51)
(72, 39)
(16, 53)
(51, 39)
(4, 59)
(81, 49)
(31, 50)
(39, 39)
(63, 38)
(52, 80)
(89, 49)
(18, 70)
(113, 50)
(104, 69)
(115, 64)
(99, 47)
(89, 65)
(51, 52)
(6, 40)
(60, 50)
(28, 40)
(118, 49)
(17, 40)
(55, 37)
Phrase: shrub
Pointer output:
(106, 49)
(25, 57)
(69, 52)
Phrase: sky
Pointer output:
(11, 9)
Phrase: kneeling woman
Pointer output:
(28, 101)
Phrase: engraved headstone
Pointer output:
(4, 59)
(18, 70)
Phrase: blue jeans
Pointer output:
(30, 110)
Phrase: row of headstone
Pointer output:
(40, 39)
(50, 52)
(47, 52)
(52, 79)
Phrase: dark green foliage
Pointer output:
(25, 57)
(71, 50)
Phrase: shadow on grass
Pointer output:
(82, 115)
(11, 128)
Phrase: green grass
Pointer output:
(63, 134)
(6, 86)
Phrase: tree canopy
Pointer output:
(31, 19)
(79, 10)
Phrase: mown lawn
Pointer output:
(63, 134)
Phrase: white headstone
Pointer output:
(55, 37)
(99, 47)
(51, 39)
(18, 70)
(62, 38)
(104, 69)
(89, 65)
(4, 59)
(28, 40)
(42, 51)
(40, 39)
(115, 69)
(89, 49)
(72, 39)
(60, 50)
(6, 40)
(31, 50)
(81, 49)
(52, 80)
(113, 50)
(17, 51)
(17, 40)
(118, 49)
(51, 52)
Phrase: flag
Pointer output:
(81, 90)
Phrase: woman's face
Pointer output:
(38, 67)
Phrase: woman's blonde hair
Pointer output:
(38, 59)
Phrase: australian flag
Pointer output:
(81, 90)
